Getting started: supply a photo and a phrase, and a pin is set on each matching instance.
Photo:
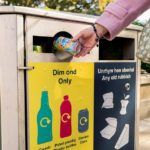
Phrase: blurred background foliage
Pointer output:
(103, 4)
(94, 7)
(145, 68)
(139, 23)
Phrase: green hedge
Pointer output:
(145, 67)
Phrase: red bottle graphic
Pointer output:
(65, 110)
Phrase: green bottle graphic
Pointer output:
(44, 120)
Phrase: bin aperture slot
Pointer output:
(117, 49)
(62, 33)
(42, 44)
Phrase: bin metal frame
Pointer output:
(18, 25)
(12, 82)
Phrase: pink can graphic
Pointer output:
(66, 112)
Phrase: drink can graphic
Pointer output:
(83, 120)
(66, 112)
(44, 120)
(65, 47)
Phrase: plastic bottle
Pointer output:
(44, 120)
(65, 110)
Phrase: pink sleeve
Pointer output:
(120, 14)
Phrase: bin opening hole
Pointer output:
(64, 34)
(42, 44)
(117, 49)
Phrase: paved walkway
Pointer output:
(145, 134)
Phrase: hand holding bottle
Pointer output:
(87, 38)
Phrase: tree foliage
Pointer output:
(138, 23)
(145, 67)
(79, 6)
(29, 3)
(103, 4)
(63, 5)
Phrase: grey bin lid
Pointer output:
(55, 14)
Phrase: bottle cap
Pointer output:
(66, 97)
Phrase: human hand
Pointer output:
(87, 39)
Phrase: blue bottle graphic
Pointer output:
(44, 120)
(83, 120)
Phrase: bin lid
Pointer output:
(55, 14)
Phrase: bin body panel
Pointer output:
(37, 26)
(11, 33)
(122, 48)
(21, 81)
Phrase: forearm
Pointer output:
(120, 14)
